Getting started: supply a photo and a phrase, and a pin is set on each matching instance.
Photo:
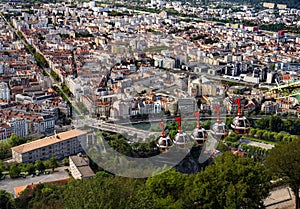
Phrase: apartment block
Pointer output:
(60, 145)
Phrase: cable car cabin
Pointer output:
(240, 125)
(219, 130)
(164, 142)
(199, 134)
(181, 139)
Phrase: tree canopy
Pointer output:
(232, 182)
(6, 200)
(283, 162)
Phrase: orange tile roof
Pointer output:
(48, 141)
(19, 189)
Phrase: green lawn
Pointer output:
(258, 140)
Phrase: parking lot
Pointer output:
(9, 184)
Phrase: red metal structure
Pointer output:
(181, 139)
(199, 134)
(161, 124)
(164, 142)
(219, 130)
(217, 108)
(197, 115)
(240, 124)
(238, 102)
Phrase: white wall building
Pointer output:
(19, 126)
(4, 91)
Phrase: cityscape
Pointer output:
(149, 104)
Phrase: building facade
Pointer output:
(59, 145)
(19, 126)
(4, 91)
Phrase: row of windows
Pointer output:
(57, 153)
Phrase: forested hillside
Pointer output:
(230, 183)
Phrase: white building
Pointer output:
(59, 145)
(4, 91)
(79, 167)
(19, 126)
(1, 68)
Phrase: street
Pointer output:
(9, 184)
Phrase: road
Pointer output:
(9, 184)
(75, 108)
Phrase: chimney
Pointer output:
(56, 135)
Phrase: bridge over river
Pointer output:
(116, 128)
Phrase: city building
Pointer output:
(59, 145)
(4, 91)
(79, 167)
(19, 126)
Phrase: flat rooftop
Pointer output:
(48, 141)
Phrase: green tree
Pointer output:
(39, 165)
(283, 162)
(30, 168)
(275, 124)
(232, 137)
(266, 135)
(14, 171)
(121, 146)
(222, 147)
(228, 121)
(1, 168)
(252, 131)
(262, 123)
(5, 151)
(53, 163)
(104, 192)
(14, 140)
(6, 200)
(161, 191)
(233, 182)
(260, 133)
(42, 196)
(65, 161)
